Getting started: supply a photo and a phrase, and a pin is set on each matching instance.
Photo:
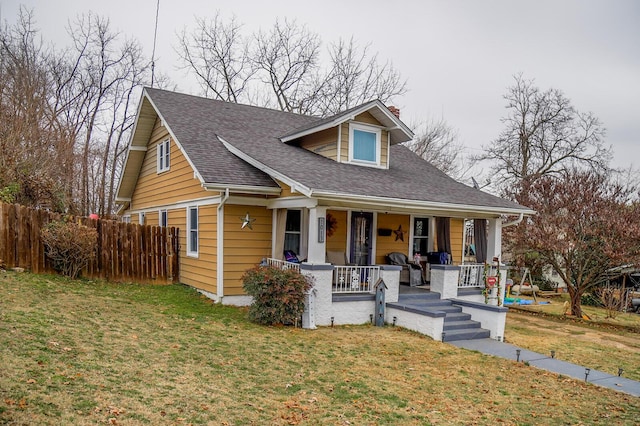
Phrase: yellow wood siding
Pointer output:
(344, 143)
(324, 143)
(175, 185)
(338, 240)
(386, 245)
(151, 218)
(198, 272)
(367, 118)
(457, 231)
(244, 248)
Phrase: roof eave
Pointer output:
(343, 118)
(405, 204)
(244, 189)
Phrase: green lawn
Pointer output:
(82, 352)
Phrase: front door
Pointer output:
(361, 228)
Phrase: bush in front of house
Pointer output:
(278, 295)
(69, 245)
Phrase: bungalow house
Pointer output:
(246, 184)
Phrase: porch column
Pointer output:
(317, 235)
(494, 240)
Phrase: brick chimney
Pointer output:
(395, 111)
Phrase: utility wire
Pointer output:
(155, 37)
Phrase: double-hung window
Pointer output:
(163, 155)
(293, 231)
(162, 218)
(364, 144)
(192, 231)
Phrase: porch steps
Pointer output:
(457, 324)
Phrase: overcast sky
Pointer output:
(458, 56)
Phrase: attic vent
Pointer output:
(395, 111)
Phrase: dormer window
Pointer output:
(364, 145)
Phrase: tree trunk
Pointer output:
(576, 301)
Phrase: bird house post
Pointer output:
(380, 288)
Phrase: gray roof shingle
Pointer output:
(197, 122)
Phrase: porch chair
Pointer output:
(410, 273)
(337, 258)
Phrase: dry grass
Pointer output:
(601, 343)
(78, 352)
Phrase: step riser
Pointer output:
(457, 325)
(461, 325)
(466, 335)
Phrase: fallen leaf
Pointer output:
(31, 381)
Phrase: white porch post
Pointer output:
(317, 237)
(494, 240)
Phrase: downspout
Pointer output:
(220, 246)
(513, 222)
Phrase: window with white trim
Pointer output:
(192, 231)
(293, 231)
(420, 236)
(364, 144)
(126, 219)
(163, 218)
(163, 151)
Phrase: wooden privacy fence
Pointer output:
(123, 251)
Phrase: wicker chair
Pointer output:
(410, 273)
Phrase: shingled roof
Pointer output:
(211, 132)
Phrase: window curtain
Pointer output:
(443, 234)
(281, 226)
(480, 239)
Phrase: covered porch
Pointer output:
(356, 239)
(453, 312)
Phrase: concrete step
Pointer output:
(461, 325)
(465, 334)
(457, 316)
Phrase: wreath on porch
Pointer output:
(332, 224)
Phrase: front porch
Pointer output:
(457, 310)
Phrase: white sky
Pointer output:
(458, 56)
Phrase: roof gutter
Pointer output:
(513, 222)
(220, 246)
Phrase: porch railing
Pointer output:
(282, 264)
(355, 279)
(471, 275)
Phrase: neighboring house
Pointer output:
(245, 183)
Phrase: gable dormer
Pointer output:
(360, 136)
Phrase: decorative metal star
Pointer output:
(399, 233)
(247, 222)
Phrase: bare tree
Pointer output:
(437, 142)
(585, 225)
(544, 134)
(281, 68)
(219, 56)
(356, 77)
(288, 57)
(31, 140)
(105, 69)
